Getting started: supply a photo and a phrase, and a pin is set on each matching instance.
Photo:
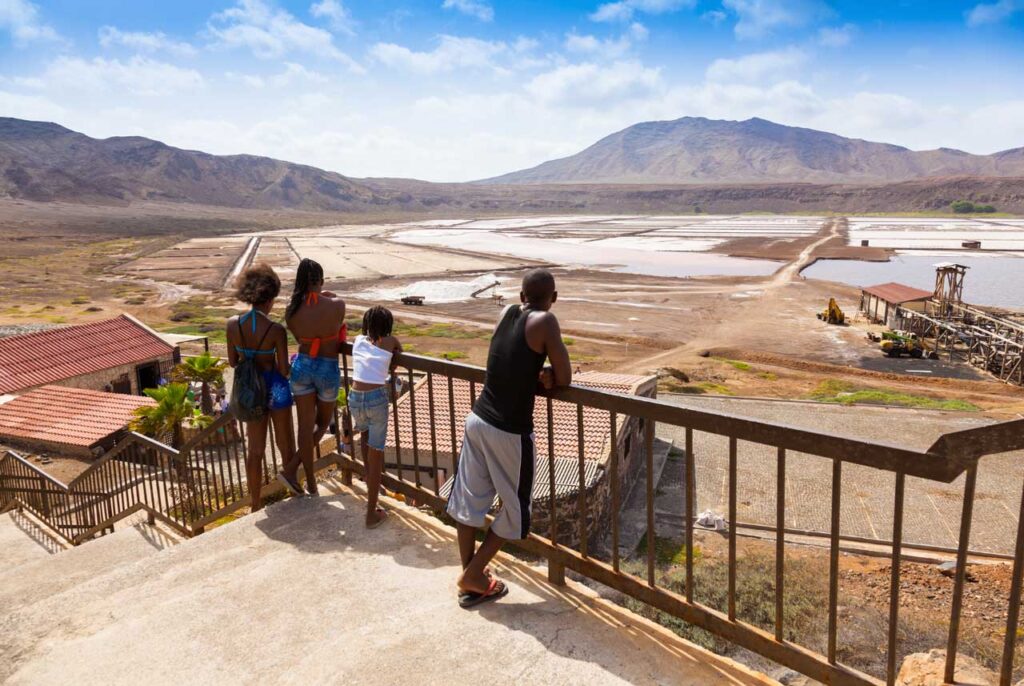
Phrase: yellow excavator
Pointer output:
(832, 314)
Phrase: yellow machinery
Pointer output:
(832, 314)
(898, 343)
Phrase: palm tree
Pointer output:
(173, 408)
(205, 370)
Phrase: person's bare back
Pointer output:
(320, 319)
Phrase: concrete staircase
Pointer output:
(23, 540)
(303, 593)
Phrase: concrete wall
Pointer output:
(569, 524)
(881, 312)
(97, 381)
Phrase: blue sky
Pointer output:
(452, 90)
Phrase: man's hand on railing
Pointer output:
(547, 378)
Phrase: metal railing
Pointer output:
(186, 489)
(139, 474)
(205, 480)
(953, 455)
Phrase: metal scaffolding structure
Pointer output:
(969, 334)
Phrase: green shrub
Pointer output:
(968, 207)
(735, 364)
(846, 393)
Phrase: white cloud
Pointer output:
(474, 8)
(138, 76)
(525, 44)
(716, 17)
(756, 66)
(608, 47)
(623, 10)
(21, 19)
(638, 31)
(32, 107)
(759, 18)
(144, 42)
(293, 73)
(336, 14)
(270, 32)
(586, 84)
(836, 36)
(452, 52)
(575, 42)
(993, 12)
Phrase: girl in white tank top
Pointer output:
(373, 358)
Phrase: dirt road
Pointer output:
(792, 270)
(753, 314)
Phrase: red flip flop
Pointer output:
(495, 590)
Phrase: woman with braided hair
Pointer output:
(315, 317)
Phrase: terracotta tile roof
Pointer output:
(596, 423)
(67, 416)
(898, 293)
(43, 357)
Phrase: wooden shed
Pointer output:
(879, 302)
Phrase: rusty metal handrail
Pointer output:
(952, 455)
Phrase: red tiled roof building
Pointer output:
(73, 421)
(120, 354)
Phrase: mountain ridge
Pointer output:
(44, 161)
(697, 150)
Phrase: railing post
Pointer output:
(556, 573)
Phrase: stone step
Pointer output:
(302, 592)
(23, 540)
(49, 575)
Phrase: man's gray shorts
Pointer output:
(494, 462)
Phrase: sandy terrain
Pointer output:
(199, 262)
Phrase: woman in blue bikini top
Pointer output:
(254, 336)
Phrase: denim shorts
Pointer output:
(369, 410)
(279, 395)
(320, 375)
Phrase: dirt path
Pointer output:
(753, 312)
(791, 271)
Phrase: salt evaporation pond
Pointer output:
(996, 280)
(937, 234)
(436, 291)
(616, 257)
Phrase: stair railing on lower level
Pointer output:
(186, 489)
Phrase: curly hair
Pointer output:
(257, 284)
(377, 323)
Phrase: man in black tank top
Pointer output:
(497, 456)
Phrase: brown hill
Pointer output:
(43, 161)
(919, 195)
(694, 150)
(48, 163)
